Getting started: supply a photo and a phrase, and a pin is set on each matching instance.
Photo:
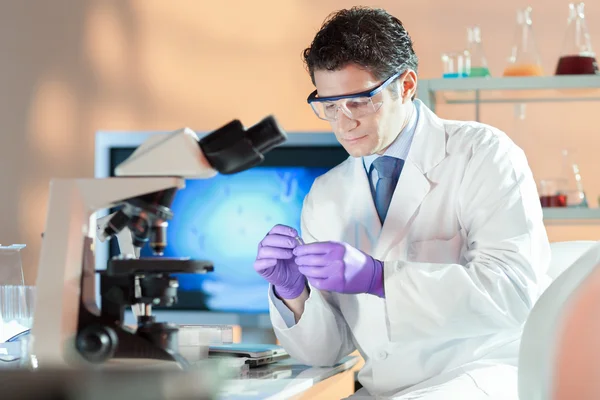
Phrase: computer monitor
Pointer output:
(222, 219)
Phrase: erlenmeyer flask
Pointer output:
(524, 60)
(479, 65)
(573, 185)
(577, 56)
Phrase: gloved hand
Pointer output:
(339, 267)
(275, 262)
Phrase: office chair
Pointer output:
(564, 254)
(559, 356)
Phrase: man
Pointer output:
(424, 250)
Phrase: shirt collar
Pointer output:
(401, 145)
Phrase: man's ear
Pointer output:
(409, 85)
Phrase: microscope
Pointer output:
(69, 329)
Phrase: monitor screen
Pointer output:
(223, 219)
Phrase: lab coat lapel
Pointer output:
(428, 149)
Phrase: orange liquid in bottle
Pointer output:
(524, 70)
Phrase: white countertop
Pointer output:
(281, 380)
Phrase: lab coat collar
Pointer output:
(428, 149)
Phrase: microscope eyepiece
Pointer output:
(231, 149)
(266, 135)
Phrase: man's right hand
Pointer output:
(275, 262)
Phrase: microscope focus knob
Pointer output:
(97, 343)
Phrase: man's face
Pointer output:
(375, 132)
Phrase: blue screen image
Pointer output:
(223, 219)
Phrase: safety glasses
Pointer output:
(354, 106)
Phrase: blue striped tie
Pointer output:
(389, 169)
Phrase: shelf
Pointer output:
(510, 90)
(571, 216)
(516, 83)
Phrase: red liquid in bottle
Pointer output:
(558, 200)
(577, 65)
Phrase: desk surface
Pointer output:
(281, 380)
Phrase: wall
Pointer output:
(71, 68)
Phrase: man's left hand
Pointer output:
(339, 267)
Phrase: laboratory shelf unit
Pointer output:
(571, 216)
(477, 91)
(518, 90)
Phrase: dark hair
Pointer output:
(368, 37)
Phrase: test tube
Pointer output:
(299, 240)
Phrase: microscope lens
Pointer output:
(117, 222)
(139, 230)
(158, 238)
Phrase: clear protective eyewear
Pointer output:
(354, 106)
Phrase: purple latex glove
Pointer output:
(275, 262)
(339, 267)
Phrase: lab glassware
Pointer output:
(573, 184)
(456, 64)
(551, 193)
(11, 269)
(577, 56)
(524, 59)
(16, 310)
(16, 299)
(478, 61)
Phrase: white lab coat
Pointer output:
(464, 250)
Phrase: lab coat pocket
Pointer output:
(437, 250)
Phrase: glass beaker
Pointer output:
(479, 66)
(551, 193)
(524, 59)
(16, 310)
(16, 299)
(577, 56)
(456, 64)
(11, 270)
